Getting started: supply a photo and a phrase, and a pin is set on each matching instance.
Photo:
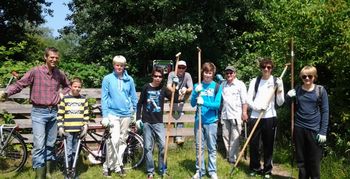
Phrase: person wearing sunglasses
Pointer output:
(183, 86)
(257, 99)
(311, 122)
(233, 112)
(119, 100)
(150, 108)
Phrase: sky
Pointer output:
(58, 20)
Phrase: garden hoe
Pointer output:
(199, 116)
(272, 93)
(164, 167)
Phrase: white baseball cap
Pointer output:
(181, 62)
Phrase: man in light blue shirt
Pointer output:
(119, 102)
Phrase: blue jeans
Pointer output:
(72, 141)
(44, 126)
(151, 133)
(209, 135)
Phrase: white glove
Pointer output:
(133, 117)
(105, 122)
(291, 93)
(321, 138)
(199, 88)
(3, 95)
(279, 83)
(83, 131)
(176, 80)
(200, 101)
(183, 90)
(139, 124)
(61, 132)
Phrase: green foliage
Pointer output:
(6, 118)
(91, 75)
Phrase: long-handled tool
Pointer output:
(245, 138)
(70, 171)
(199, 115)
(272, 93)
(164, 167)
(14, 75)
(292, 104)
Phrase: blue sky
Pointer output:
(58, 20)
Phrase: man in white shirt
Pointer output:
(233, 113)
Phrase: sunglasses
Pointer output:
(181, 67)
(229, 73)
(306, 76)
(157, 76)
(268, 67)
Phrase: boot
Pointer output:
(40, 173)
(49, 168)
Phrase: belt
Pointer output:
(45, 106)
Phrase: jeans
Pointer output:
(209, 135)
(117, 145)
(231, 130)
(308, 153)
(151, 133)
(72, 141)
(44, 126)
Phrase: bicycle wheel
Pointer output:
(59, 151)
(13, 152)
(134, 152)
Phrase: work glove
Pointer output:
(200, 101)
(291, 93)
(61, 132)
(183, 90)
(198, 88)
(105, 122)
(83, 131)
(279, 83)
(321, 138)
(3, 95)
(139, 124)
(176, 80)
(133, 117)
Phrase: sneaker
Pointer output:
(179, 140)
(254, 173)
(214, 176)
(267, 176)
(149, 176)
(196, 176)
(107, 174)
(121, 172)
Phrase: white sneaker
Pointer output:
(196, 176)
(214, 176)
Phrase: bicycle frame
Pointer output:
(6, 126)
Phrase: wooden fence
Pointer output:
(21, 113)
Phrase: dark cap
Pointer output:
(230, 68)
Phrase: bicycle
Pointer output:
(133, 154)
(13, 149)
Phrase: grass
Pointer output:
(181, 164)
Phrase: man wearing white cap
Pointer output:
(119, 102)
(184, 86)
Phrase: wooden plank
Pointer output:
(25, 109)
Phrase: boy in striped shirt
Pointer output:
(73, 116)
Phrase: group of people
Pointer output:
(59, 107)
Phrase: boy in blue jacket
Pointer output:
(207, 97)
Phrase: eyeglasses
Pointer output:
(268, 67)
(157, 76)
(306, 76)
(181, 67)
(229, 73)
